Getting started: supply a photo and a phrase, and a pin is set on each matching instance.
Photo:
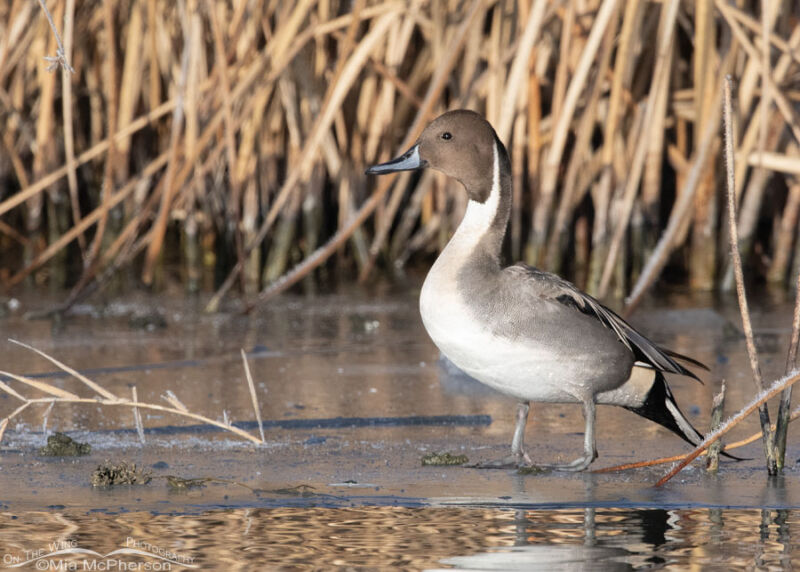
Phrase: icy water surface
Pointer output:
(353, 395)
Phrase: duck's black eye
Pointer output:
(446, 136)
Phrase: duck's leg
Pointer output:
(517, 447)
(518, 456)
(589, 444)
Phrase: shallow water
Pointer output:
(353, 396)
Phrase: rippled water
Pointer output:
(425, 538)
(353, 397)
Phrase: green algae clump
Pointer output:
(443, 459)
(61, 445)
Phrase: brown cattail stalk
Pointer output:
(763, 412)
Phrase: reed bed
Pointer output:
(223, 144)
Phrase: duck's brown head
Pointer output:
(460, 144)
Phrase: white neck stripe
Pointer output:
(479, 216)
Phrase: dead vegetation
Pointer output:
(233, 137)
(54, 395)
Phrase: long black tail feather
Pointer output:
(660, 406)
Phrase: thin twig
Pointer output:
(58, 395)
(782, 424)
(253, 395)
(60, 59)
(712, 464)
(747, 326)
(45, 417)
(664, 460)
(102, 391)
(137, 417)
(778, 386)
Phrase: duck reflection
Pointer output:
(616, 540)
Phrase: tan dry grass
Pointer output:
(226, 118)
(56, 395)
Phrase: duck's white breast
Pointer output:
(518, 367)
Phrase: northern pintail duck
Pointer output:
(525, 332)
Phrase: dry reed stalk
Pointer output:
(534, 132)
(660, 82)
(435, 87)
(492, 48)
(753, 197)
(664, 460)
(40, 385)
(550, 167)
(518, 145)
(763, 412)
(44, 126)
(89, 220)
(58, 395)
(781, 102)
(752, 74)
(137, 417)
(782, 163)
(112, 96)
(12, 32)
(94, 152)
(779, 267)
(754, 193)
(386, 99)
(154, 79)
(652, 175)
(782, 424)
(703, 252)
(562, 68)
(16, 161)
(253, 395)
(57, 218)
(336, 95)
(681, 208)
(130, 87)
(765, 72)
(252, 74)
(717, 405)
(160, 224)
(79, 376)
(396, 49)
(234, 205)
(581, 154)
(620, 81)
(22, 34)
(66, 112)
(777, 387)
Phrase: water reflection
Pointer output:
(428, 538)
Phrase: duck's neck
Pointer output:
(479, 237)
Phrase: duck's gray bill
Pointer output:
(409, 161)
